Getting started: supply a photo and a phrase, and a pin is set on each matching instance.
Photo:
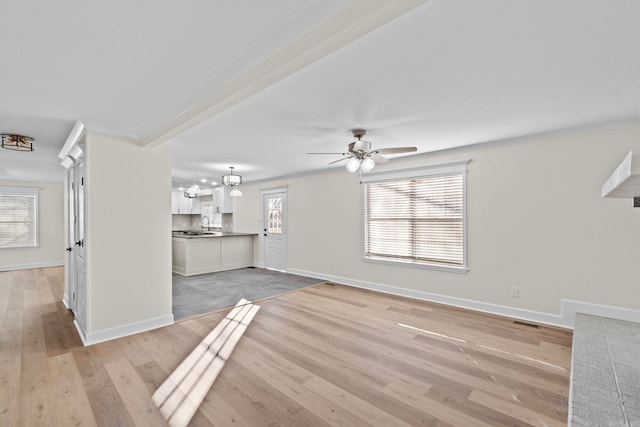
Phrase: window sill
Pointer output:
(399, 263)
(19, 247)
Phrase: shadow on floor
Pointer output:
(204, 293)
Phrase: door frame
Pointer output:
(285, 223)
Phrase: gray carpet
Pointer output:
(205, 293)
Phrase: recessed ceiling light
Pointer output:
(181, 188)
(203, 180)
(212, 183)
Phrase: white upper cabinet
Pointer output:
(195, 206)
(222, 201)
(184, 205)
(174, 202)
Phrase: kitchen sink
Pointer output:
(197, 233)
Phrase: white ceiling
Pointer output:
(249, 83)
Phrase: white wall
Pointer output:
(51, 230)
(535, 221)
(128, 236)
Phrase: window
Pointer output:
(417, 217)
(274, 222)
(18, 217)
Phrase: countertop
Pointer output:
(193, 234)
(604, 372)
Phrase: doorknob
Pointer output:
(68, 249)
(78, 242)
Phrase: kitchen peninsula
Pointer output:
(198, 252)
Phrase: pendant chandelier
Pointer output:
(16, 142)
(192, 192)
(232, 180)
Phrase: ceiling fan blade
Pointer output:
(325, 153)
(378, 158)
(396, 150)
(339, 160)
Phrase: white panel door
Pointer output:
(275, 231)
(72, 277)
(80, 257)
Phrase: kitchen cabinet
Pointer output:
(179, 203)
(195, 206)
(200, 255)
(222, 201)
(184, 205)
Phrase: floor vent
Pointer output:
(531, 325)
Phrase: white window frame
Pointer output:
(421, 172)
(25, 191)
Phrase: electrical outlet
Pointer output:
(515, 292)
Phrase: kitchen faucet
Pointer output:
(202, 223)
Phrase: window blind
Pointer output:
(418, 220)
(18, 218)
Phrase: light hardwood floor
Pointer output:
(325, 355)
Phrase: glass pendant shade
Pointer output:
(235, 193)
(367, 164)
(353, 164)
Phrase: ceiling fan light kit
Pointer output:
(353, 164)
(367, 164)
(16, 142)
(362, 157)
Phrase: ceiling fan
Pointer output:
(362, 157)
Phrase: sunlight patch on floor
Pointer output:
(179, 397)
(531, 359)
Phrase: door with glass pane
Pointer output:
(275, 231)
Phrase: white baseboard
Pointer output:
(80, 332)
(566, 318)
(258, 264)
(65, 300)
(123, 330)
(571, 307)
(31, 265)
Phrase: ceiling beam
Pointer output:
(356, 20)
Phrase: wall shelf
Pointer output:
(624, 182)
